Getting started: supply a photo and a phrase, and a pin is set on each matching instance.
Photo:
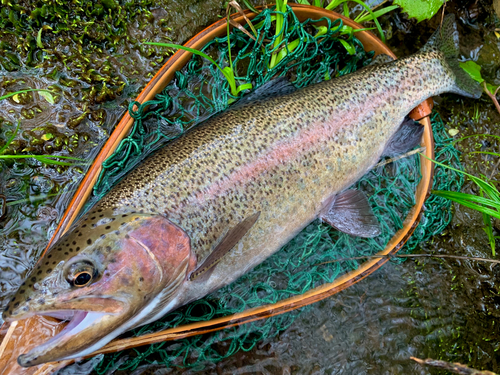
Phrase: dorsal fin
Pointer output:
(275, 87)
(228, 242)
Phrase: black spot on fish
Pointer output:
(124, 215)
(33, 279)
(67, 244)
(122, 224)
(13, 299)
(77, 249)
(22, 291)
(46, 263)
(54, 263)
(79, 234)
(99, 210)
(66, 253)
(74, 242)
(108, 227)
(92, 218)
(89, 242)
(141, 278)
(108, 248)
(49, 270)
(84, 225)
(101, 215)
(28, 299)
(39, 272)
(16, 304)
(49, 256)
(70, 249)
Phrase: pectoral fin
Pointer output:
(406, 137)
(351, 213)
(230, 240)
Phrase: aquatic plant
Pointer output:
(420, 9)
(474, 70)
(488, 201)
(46, 159)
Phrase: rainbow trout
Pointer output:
(222, 198)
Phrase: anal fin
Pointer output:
(351, 213)
(406, 137)
(229, 241)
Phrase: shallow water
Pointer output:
(442, 309)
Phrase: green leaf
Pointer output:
(349, 47)
(48, 96)
(473, 69)
(420, 9)
(39, 38)
(491, 88)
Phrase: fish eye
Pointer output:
(81, 273)
(82, 279)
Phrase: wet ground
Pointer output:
(439, 309)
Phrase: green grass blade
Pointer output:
(11, 138)
(368, 17)
(192, 50)
(333, 4)
(485, 152)
(21, 92)
(229, 75)
(349, 47)
(489, 230)
(476, 135)
(251, 7)
(466, 203)
(470, 197)
(377, 24)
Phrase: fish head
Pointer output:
(102, 277)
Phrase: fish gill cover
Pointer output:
(199, 91)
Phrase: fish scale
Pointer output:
(283, 160)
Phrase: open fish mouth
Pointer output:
(78, 320)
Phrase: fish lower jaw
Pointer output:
(78, 320)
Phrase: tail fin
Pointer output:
(445, 40)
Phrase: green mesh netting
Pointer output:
(199, 91)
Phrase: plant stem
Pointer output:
(492, 96)
(460, 257)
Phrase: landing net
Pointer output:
(199, 91)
